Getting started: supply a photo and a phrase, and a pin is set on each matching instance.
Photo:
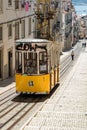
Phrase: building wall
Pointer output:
(8, 15)
(83, 27)
(66, 25)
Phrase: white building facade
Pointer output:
(17, 20)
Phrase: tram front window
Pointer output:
(43, 62)
(30, 63)
(18, 62)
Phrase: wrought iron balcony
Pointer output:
(47, 15)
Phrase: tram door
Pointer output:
(10, 63)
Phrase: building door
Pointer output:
(1, 64)
(9, 63)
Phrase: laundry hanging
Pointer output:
(26, 6)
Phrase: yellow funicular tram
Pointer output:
(37, 65)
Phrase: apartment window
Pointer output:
(17, 30)
(16, 4)
(9, 2)
(29, 26)
(0, 5)
(1, 33)
(22, 3)
(9, 30)
(23, 28)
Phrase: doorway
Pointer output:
(10, 63)
(1, 61)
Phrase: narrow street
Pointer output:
(16, 109)
(67, 110)
(43, 65)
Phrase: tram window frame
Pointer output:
(43, 62)
(18, 62)
(30, 63)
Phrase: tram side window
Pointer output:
(25, 62)
(30, 63)
(43, 62)
(18, 62)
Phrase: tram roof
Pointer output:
(34, 40)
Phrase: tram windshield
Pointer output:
(31, 62)
(26, 62)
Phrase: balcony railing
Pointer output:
(47, 15)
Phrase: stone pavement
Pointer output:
(6, 84)
(67, 110)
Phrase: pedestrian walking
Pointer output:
(85, 44)
(72, 55)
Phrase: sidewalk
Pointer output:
(6, 84)
(67, 110)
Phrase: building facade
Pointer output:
(17, 20)
(66, 24)
(47, 19)
(75, 28)
(82, 27)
